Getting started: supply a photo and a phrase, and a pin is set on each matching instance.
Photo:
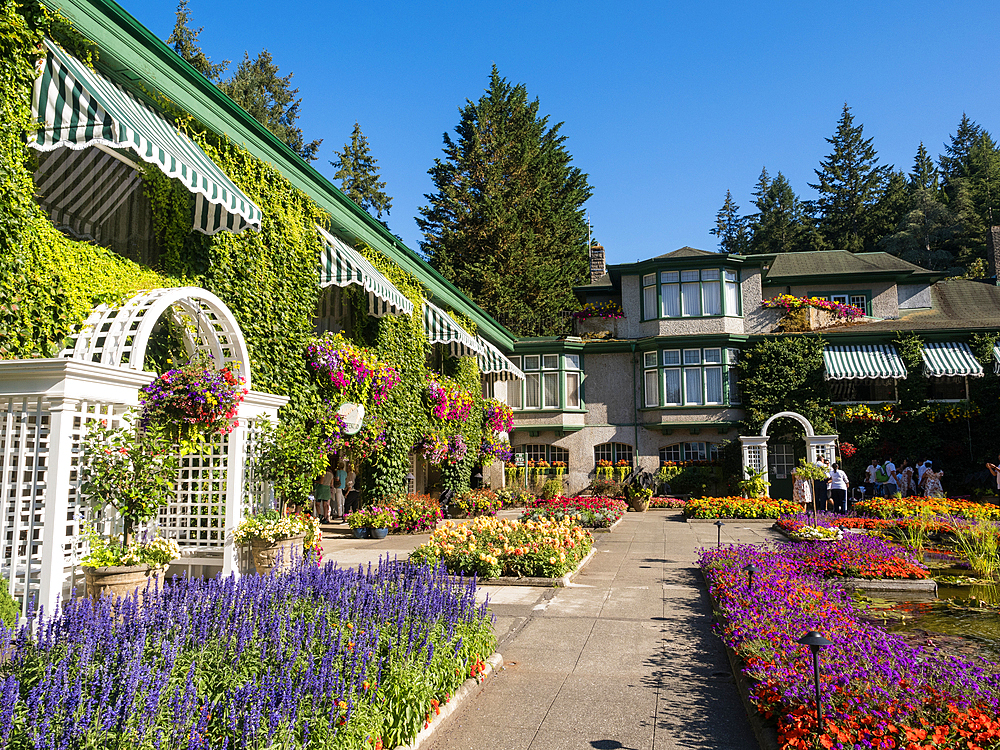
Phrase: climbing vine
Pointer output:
(913, 389)
(785, 374)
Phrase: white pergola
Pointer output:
(46, 407)
(755, 446)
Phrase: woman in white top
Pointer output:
(838, 483)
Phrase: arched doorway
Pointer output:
(779, 464)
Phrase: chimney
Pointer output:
(992, 254)
(597, 268)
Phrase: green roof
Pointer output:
(955, 304)
(839, 263)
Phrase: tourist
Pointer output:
(870, 478)
(839, 483)
(905, 475)
(890, 487)
(321, 493)
(339, 489)
(921, 468)
(932, 481)
(352, 500)
(995, 472)
(819, 485)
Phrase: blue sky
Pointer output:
(666, 105)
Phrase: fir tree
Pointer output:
(894, 203)
(850, 183)
(184, 41)
(731, 228)
(780, 224)
(506, 223)
(260, 90)
(358, 173)
(954, 161)
(924, 175)
(926, 234)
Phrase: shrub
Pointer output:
(602, 487)
(515, 498)
(552, 488)
(8, 606)
(414, 513)
(739, 507)
(479, 503)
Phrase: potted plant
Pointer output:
(133, 473)
(755, 485)
(290, 458)
(192, 403)
(376, 519)
(358, 522)
(638, 497)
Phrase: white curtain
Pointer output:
(671, 300)
(691, 296)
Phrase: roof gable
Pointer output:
(686, 252)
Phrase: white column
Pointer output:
(754, 453)
(234, 495)
(60, 459)
(818, 446)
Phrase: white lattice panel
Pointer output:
(753, 457)
(196, 515)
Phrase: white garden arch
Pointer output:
(755, 446)
(46, 406)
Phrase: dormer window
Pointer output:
(694, 293)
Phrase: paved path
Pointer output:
(622, 659)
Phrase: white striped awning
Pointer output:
(493, 362)
(880, 361)
(950, 359)
(441, 329)
(76, 107)
(341, 265)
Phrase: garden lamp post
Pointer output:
(477, 480)
(411, 481)
(815, 641)
(719, 525)
(750, 569)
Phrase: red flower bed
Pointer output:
(593, 512)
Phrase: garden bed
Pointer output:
(739, 507)
(589, 512)
(316, 658)
(877, 689)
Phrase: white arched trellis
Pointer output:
(47, 405)
(755, 446)
(118, 336)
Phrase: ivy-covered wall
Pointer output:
(48, 283)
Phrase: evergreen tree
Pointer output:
(731, 228)
(926, 234)
(924, 175)
(983, 175)
(358, 174)
(954, 162)
(257, 87)
(506, 222)
(892, 206)
(850, 183)
(184, 40)
(780, 224)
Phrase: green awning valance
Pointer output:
(949, 360)
(441, 329)
(493, 362)
(75, 108)
(879, 361)
(341, 265)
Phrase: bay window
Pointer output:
(693, 293)
(690, 377)
(552, 382)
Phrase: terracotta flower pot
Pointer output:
(639, 505)
(274, 557)
(120, 580)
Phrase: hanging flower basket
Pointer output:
(497, 416)
(447, 400)
(433, 447)
(494, 449)
(193, 403)
(352, 373)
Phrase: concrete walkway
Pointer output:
(623, 658)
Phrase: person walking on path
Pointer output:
(905, 475)
(890, 487)
(870, 478)
(995, 471)
(839, 484)
(932, 481)
(321, 492)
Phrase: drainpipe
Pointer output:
(635, 408)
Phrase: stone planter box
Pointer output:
(280, 555)
(121, 580)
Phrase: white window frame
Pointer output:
(651, 388)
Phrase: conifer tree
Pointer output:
(955, 159)
(892, 206)
(731, 228)
(924, 175)
(358, 173)
(506, 221)
(184, 41)
(781, 224)
(850, 182)
(260, 90)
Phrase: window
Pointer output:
(692, 356)
(711, 291)
(532, 382)
(860, 300)
(841, 298)
(781, 459)
(672, 387)
(713, 356)
(695, 452)
(670, 453)
(649, 359)
(732, 293)
(862, 390)
(947, 389)
(713, 385)
(692, 385)
(652, 388)
(649, 296)
(613, 452)
(536, 452)
(732, 359)
(548, 453)
(558, 454)
(551, 383)
(690, 295)
(672, 357)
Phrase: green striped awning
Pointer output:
(74, 107)
(493, 362)
(441, 329)
(950, 359)
(341, 265)
(869, 361)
